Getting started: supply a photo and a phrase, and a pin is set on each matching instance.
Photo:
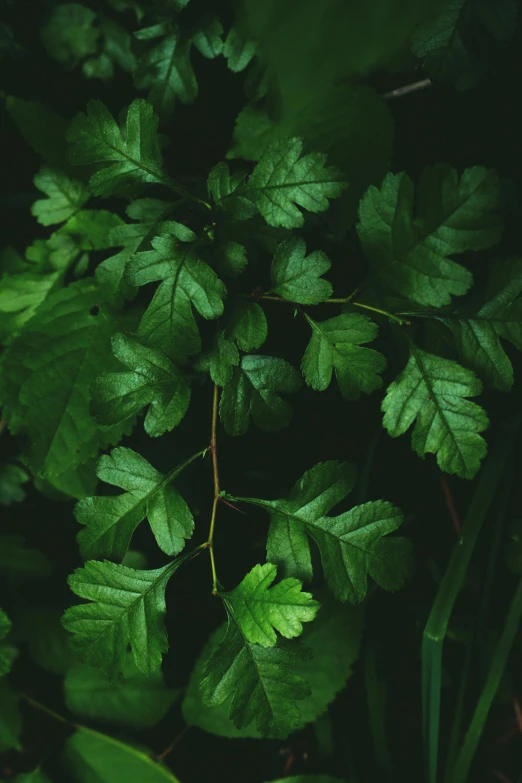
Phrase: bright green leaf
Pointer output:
(410, 253)
(129, 700)
(123, 162)
(296, 276)
(259, 609)
(432, 392)
(111, 521)
(64, 196)
(153, 380)
(127, 607)
(254, 391)
(335, 345)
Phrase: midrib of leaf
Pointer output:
(138, 165)
(317, 328)
(93, 330)
(434, 399)
(132, 751)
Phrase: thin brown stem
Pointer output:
(347, 300)
(407, 89)
(213, 451)
(163, 755)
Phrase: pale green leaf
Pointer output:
(410, 252)
(260, 682)
(254, 392)
(12, 477)
(123, 162)
(284, 180)
(260, 609)
(432, 392)
(153, 381)
(129, 700)
(92, 757)
(69, 34)
(478, 336)
(91, 228)
(61, 350)
(296, 276)
(111, 521)
(187, 283)
(127, 607)
(335, 345)
(247, 325)
(65, 196)
(20, 562)
(166, 71)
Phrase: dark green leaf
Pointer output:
(296, 276)
(247, 326)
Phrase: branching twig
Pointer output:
(346, 300)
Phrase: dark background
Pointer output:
(481, 126)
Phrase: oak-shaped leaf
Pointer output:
(126, 607)
(65, 196)
(259, 682)
(352, 545)
(410, 252)
(432, 391)
(111, 521)
(154, 381)
(260, 609)
(254, 392)
(296, 276)
(124, 161)
(336, 345)
(187, 282)
(479, 335)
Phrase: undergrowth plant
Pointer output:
(163, 329)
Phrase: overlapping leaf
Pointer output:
(335, 345)
(432, 391)
(352, 545)
(296, 276)
(247, 325)
(154, 381)
(254, 392)
(187, 282)
(410, 253)
(111, 521)
(127, 607)
(260, 610)
(124, 161)
(220, 359)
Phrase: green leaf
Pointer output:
(91, 228)
(247, 326)
(92, 757)
(207, 38)
(254, 391)
(451, 40)
(130, 161)
(313, 496)
(42, 128)
(187, 283)
(231, 258)
(220, 360)
(130, 700)
(7, 652)
(352, 545)
(128, 608)
(226, 191)
(11, 479)
(10, 718)
(335, 345)
(69, 34)
(432, 392)
(238, 51)
(283, 180)
(260, 682)
(65, 196)
(410, 252)
(19, 562)
(259, 609)
(20, 297)
(117, 50)
(296, 276)
(32, 777)
(166, 71)
(478, 336)
(61, 350)
(153, 380)
(111, 521)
